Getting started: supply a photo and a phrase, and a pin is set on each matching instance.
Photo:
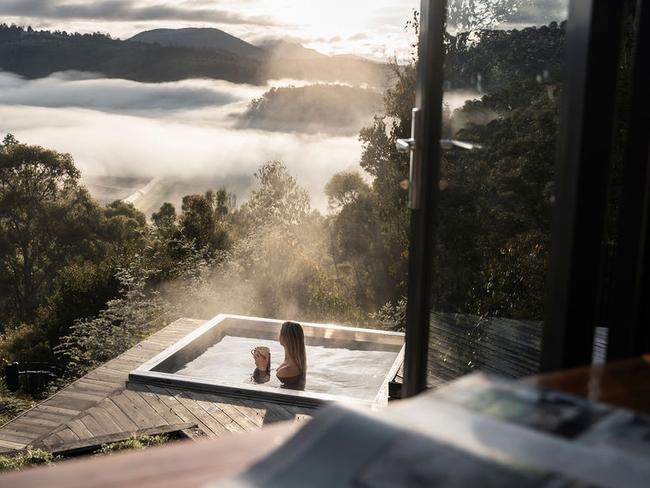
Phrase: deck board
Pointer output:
(103, 403)
(168, 399)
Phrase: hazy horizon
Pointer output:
(372, 29)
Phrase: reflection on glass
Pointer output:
(502, 86)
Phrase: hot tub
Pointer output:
(345, 364)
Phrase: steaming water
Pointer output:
(357, 374)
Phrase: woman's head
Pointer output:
(292, 338)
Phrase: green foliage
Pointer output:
(391, 316)
(37, 457)
(369, 234)
(46, 220)
(490, 60)
(344, 189)
(134, 442)
(203, 221)
(495, 208)
(82, 290)
(11, 405)
(278, 201)
(135, 314)
(59, 250)
(165, 220)
(24, 343)
(27, 459)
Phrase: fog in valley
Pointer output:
(123, 133)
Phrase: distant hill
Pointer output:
(322, 108)
(37, 54)
(291, 50)
(207, 38)
(175, 55)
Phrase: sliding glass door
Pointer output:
(492, 80)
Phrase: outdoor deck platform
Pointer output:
(102, 407)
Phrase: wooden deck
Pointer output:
(101, 406)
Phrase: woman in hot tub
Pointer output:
(293, 370)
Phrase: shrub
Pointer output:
(134, 442)
(27, 459)
(11, 405)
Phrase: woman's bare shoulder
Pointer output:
(288, 371)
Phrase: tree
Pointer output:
(370, 230)
(278, 200)
(45, 221)
(203, 221)
(344, 188)
(122, 228)
(165, 219)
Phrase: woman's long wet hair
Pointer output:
(293, 338)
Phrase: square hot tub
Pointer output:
(344, 364)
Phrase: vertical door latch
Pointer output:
(412, 146)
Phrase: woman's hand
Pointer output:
(261, 361)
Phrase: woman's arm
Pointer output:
(261, 361)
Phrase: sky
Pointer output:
(370, 28)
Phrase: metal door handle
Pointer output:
(410, 146)
(447, 144)
(407, 145)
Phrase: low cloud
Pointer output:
(123, 10)
(163, 138)
(358, 37)
(83, 90)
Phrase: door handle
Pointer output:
(411, 146)
(447, 144)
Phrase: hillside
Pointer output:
(291, 50)
(37, 54)
(199, 38)
(329, 109)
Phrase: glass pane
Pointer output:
(504, 61)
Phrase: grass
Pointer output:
(134, 442)
(37, 457)
(11, 405)
(25, 460)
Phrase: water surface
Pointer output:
(335, 371)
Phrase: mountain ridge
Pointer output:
(37, 54)
(199, 37)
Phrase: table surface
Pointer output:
(623, 384)
(193, 464)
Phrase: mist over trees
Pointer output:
(320, 108)
(81, 282)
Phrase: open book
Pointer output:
(478, 431)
